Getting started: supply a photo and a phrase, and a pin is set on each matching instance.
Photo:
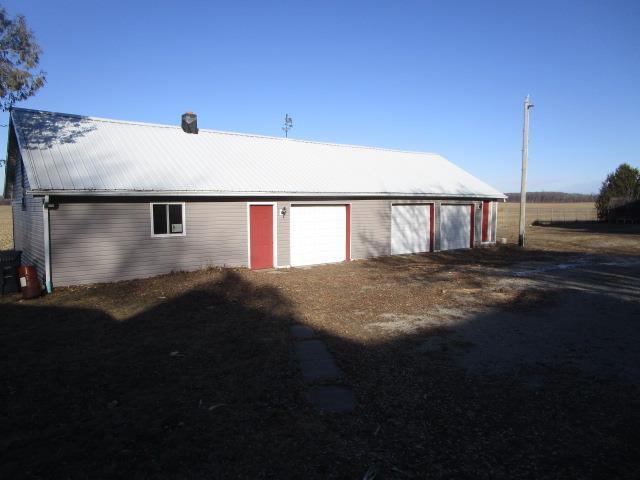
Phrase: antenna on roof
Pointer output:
(288, 125)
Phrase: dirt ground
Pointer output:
(488, 363)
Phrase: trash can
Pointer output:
(9, 263)
(29, 284)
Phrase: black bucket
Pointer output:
(9, 263)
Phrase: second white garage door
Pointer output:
(455, 227)
(409, 229)
(318, 234)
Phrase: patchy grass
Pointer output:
(509, 215)
(193, 374)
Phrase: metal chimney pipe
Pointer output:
(190, 122)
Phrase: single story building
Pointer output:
(99, 200)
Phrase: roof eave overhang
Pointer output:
(189, 193)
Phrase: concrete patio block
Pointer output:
(311, 349)
(331, 398)
(301, 332)
(319, 369)
(316, 363)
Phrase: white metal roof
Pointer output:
(71, 154)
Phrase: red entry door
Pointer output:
(485, 221)
(261, 241)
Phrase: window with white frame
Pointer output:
(167, 219)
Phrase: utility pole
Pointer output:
(525, 158)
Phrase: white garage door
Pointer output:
(318, 234)
(455, 226)
(409, 229)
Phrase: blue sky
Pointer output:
(446, 77)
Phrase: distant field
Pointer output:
(509, 215)
(6, 228)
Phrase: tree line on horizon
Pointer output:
(552, 197)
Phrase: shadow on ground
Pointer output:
(205, 385)
(592, 227)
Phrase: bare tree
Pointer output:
(20, 77)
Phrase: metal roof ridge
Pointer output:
(223, 132)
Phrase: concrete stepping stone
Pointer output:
(316, 363)
(311, 349)
(313, 370)
(301, 332)
(331, 398)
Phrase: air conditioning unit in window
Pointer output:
(176, 228)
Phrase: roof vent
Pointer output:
(190, 122)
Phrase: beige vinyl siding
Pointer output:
(283, 234)
(494, 221)
(436, 226)
(477, 235)
(104, 242)
(28, 231)
(370, 228)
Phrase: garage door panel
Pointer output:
(318, 234)
(455, 227)
(410, 226)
